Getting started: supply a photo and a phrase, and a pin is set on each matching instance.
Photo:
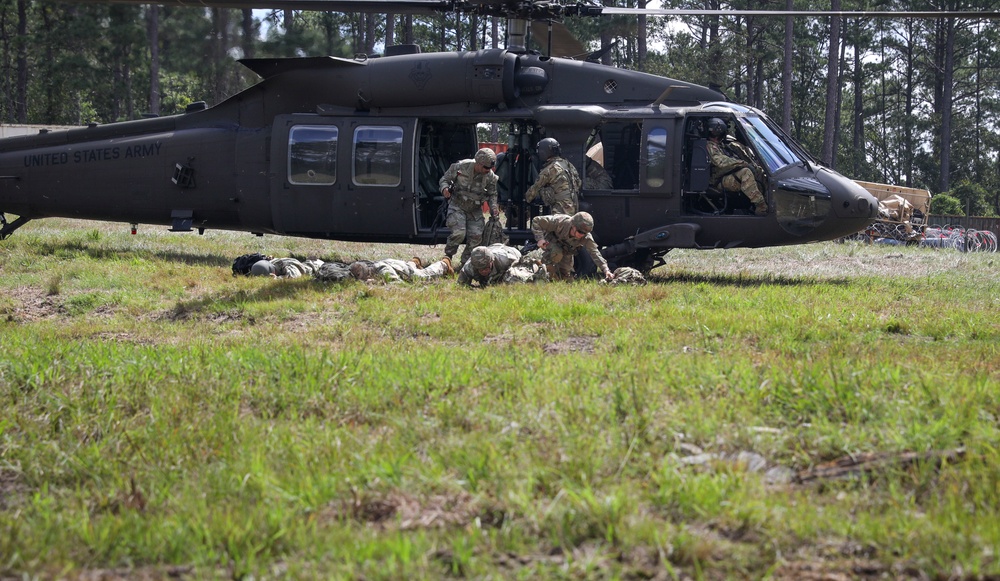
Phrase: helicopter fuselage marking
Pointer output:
(421, 74)
(92, 155)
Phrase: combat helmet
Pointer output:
(717, 127)
(262, 268)
(361, 271)
(547, 148)
(486, 158)
(481, 258)
(583, 222)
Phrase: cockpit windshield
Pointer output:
(775, 149)
(772, 149)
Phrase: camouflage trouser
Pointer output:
(395, 270)
(558, 260)
(742, 180)
(467, 226)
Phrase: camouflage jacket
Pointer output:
(555, 229)
(468, 189)
(558, 180)
(725, 159)
(503, 258)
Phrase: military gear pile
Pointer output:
(243, 264)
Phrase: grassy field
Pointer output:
(828, 411)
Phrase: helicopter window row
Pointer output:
(312, 155)
(378, 159)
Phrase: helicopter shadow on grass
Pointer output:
(230, 304)
(743, 280)
(81, 247)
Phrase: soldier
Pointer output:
(499, 263)
(558, 183)
(466, 185)
(395, 270)
(729, 170)
(284, 267)
(488, 265)
(560, 237)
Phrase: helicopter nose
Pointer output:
(852, 206)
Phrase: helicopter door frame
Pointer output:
(348, 177)
(379, 182)
(305, 173)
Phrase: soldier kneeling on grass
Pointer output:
(560, 236)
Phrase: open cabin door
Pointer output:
(342, 177)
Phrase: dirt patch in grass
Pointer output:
(403, 511)
(11, 489)
(35, 305)
(571, 345)
(152, 573)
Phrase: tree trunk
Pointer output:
(248, 43)
(786, 71)
(21, 93)
(640, 60)
(858, 137)
(828, 156)
(946, 103)
(153, 36)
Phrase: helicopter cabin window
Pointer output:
(656, 157)
(378, 155)
(613, 157)
(312, 155)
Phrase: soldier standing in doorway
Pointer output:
(466, 185)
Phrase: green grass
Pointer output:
(161, 418)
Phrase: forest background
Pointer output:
(911, 102)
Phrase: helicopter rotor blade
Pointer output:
(540, 9)
(973, 14)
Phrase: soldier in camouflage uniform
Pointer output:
(560, 237)
(488, 265)
(529, 268)
(466, 185)
(498, 263)
(395, 270)
(285, 267)
(558, 183)
(730, 172)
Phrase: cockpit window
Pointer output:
(772, 149)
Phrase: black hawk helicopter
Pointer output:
(353, 148)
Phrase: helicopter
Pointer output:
(352, 149)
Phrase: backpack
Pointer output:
(243, 263)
